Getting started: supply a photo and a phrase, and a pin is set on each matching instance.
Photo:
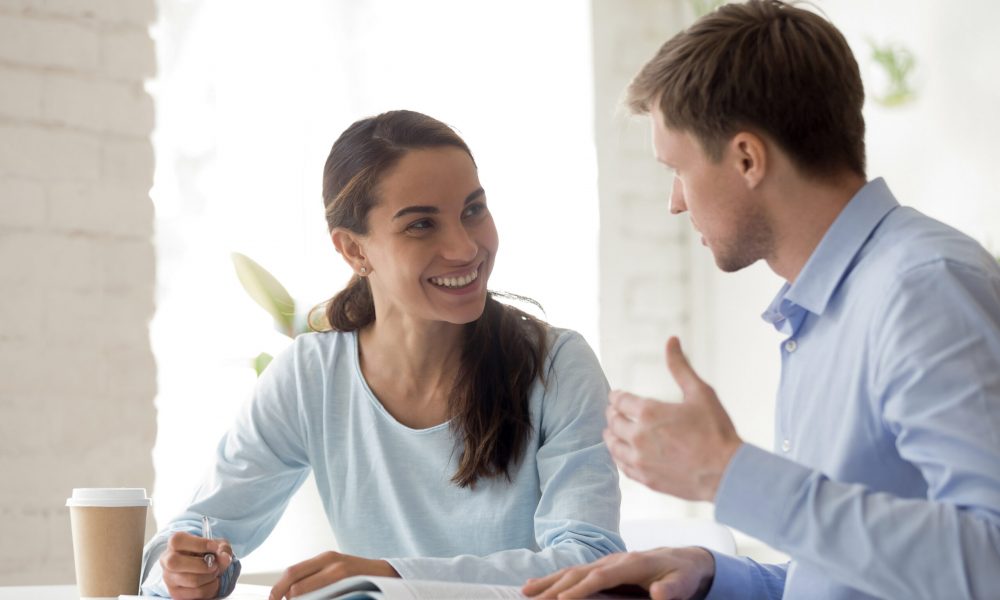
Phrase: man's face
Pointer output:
(717, 197)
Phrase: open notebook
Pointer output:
(243, 591)
(391, 588)
(383, 588)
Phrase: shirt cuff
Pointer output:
(754, 491)
(733, 577)
(227, 581)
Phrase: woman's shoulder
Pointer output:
(575, 389)
(324, 340)
(567, 345)
(309, 351)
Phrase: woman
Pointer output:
(451, 437)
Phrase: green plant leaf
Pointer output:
(267, 292)
(897, 62)
(700, 8)
(260, 363)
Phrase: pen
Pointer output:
(206, 532)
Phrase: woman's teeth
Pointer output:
(456, 282)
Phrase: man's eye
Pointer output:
(473, 210)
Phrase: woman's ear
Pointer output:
(750, 155)
(350, 246)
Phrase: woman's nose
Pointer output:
(459, 245)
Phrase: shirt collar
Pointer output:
(833, 257)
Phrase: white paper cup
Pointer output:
(109, 525)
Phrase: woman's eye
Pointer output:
(421, 225)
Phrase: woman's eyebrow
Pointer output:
(417, 208)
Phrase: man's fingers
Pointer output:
(629, 406)
(623, 570)
(680, 368)
(670, 587)
(621, 426)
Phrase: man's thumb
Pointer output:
(680, 368)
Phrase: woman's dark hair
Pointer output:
(503, 350)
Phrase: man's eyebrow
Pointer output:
(480, 192)
(433, 210)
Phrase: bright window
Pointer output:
(250, 97)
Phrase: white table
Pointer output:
(39, 592)
(68, 592)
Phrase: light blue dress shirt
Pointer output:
(387, 488)
(885, 481)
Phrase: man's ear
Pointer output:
(350, 246)
(750, 157)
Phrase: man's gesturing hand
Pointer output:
(680, 449)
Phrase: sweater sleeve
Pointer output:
(259, 464)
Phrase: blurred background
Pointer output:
(142, 142)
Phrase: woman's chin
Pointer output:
(465, 314)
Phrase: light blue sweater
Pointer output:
(387, 488)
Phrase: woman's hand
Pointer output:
(325, 569)
(185, 573)
(665, 573)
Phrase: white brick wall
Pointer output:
(643, 256)
(77, 377)
(656, 280)
(644, 266)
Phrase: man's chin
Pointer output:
(732, 264)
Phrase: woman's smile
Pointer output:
(460, 282)
(454, 280)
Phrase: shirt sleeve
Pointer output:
(577, 517)
(937, 387)
(741, 577)
(259, 464)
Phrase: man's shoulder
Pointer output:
(908, 240)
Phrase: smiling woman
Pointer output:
(428, 409)
(406, 210)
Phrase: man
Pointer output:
(886, 478)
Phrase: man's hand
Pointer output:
(185, 572)
(325, 569)
(680, 449)
(666, 573)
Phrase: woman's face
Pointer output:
(431, 239)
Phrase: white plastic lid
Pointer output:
(112, 497)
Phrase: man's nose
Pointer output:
(677, 205)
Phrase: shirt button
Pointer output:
(791, 346)
(786, 445)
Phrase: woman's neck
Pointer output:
(412, 367)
